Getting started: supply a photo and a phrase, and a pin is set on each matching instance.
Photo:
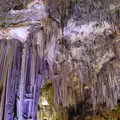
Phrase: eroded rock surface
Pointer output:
(73, 44)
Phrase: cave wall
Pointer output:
(72, 43)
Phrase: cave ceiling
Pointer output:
(74, 44)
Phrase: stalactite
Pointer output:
(10, 76)
(74, 47)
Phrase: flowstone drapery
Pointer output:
(64, 52)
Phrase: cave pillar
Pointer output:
(10, 65)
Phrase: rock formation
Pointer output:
(59, 60)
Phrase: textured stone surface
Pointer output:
(6, 5)
(74, 44)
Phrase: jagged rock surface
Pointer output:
(74, 44)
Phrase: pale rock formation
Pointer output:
(74, 44)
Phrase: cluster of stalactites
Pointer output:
(10, 65)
